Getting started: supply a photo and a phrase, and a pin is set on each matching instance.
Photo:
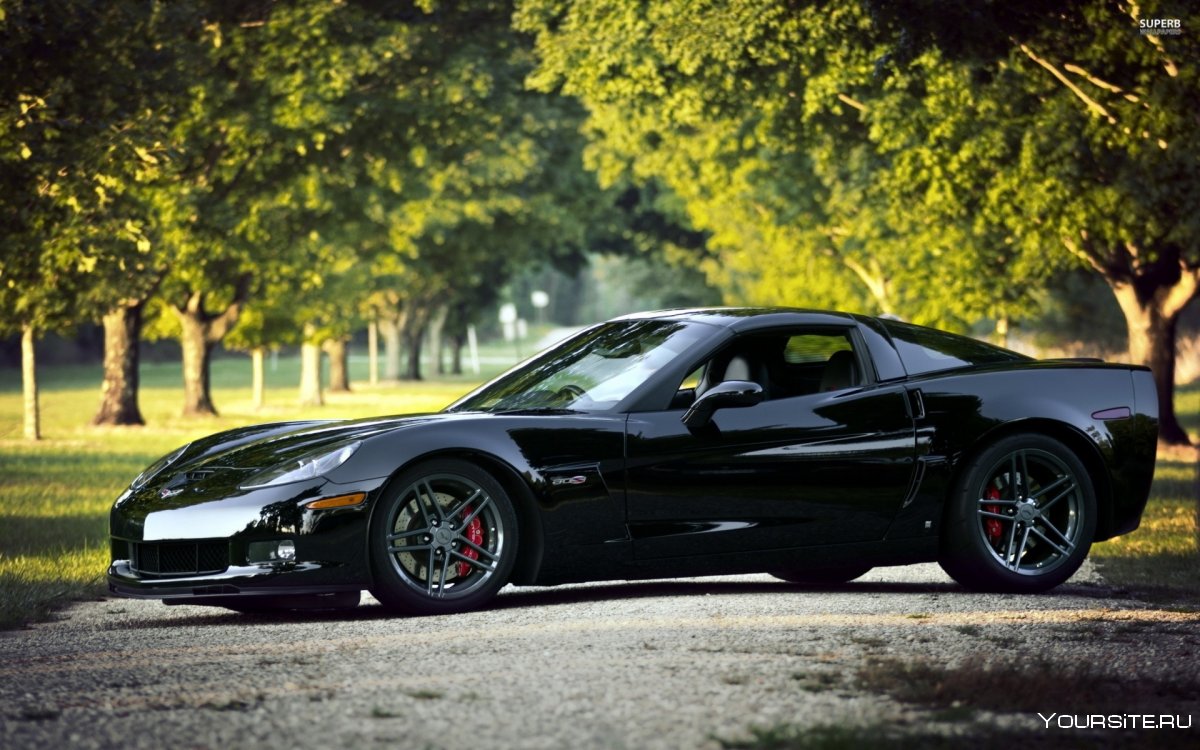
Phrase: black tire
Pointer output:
(1022, 518)
(822, 576)
(443, 539)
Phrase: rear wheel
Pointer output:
(443, 540)
(1022, 518)
(822, 576)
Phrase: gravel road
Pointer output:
(689, 663)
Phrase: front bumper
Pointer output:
(202, 551)
(236, 581)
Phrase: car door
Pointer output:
(803, 467)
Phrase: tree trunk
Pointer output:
(197, 351)
(437, 324)
(258, 376)
(310, 371)
(391, 348)
(33, 415)
(1152, 321)
(202, 331)
(414, 322)
(339, 365)
(412, 343)
(457, 343)
(878, 285)
(1002, 330)
(373, 352)
(1153, 287)
(119, 392)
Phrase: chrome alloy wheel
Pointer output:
(1030, 510)
(445, 536)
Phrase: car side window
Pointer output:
(808, 348)
(685, 394)
(693, 379)
(925, 350)
(814, 362)
(785, 363)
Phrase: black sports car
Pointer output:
(809, 445)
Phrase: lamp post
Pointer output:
(540, 300)
(508, 323)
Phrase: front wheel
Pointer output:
(443, 540)
(1022, 518)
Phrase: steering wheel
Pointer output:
(568, 393)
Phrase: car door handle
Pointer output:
(916, 404)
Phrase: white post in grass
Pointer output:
(33, 416)
(473, 346)
(373, 352)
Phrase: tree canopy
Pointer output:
(270, 172)
(938, 163)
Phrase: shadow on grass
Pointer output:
(1166, 578)
(49, 563)
(1160, 562)
(38, 535)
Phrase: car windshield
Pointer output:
(592, 371)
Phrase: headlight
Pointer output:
(153, 469)
(307, 466)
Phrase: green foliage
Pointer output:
(410, 167)
(182, 148)
(80, 129)
(853, 156)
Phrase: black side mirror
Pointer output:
(725, 395)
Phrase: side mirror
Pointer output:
(730, 394)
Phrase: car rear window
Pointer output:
(925, 350)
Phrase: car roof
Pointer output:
(746, 318)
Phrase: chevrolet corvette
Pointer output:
(809, 445)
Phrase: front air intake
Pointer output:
(179, 558)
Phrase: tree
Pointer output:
(466, 174)
(1103, 152)
(939, 162)
(763, 123)
(77, 129)
(267, 322)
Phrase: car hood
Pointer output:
(214, 469)
(235, 455)
(264, 446)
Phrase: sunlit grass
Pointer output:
(32, 585)
(1187, 405)
(1161, 557)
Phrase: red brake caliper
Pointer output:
(991, 526)
(474, 534)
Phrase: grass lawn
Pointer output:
(55, 495)
(1161, 559)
